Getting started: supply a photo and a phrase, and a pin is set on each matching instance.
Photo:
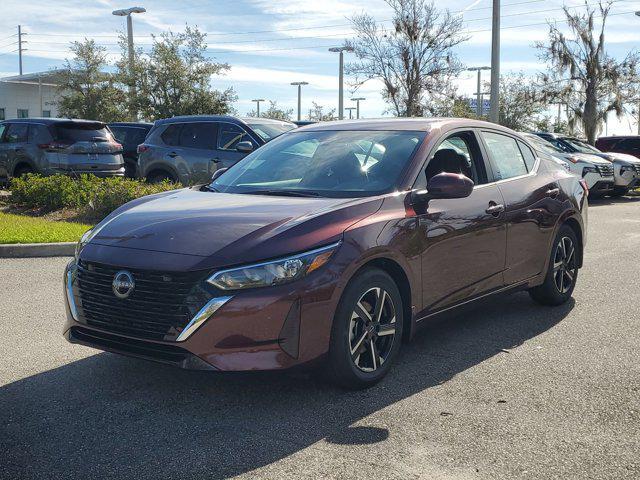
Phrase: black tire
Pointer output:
(354, 368)
(159, 177)
(22, 170)
(562, 273)
(619, 192)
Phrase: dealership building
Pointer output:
(29, 95)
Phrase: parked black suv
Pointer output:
(190, 149)
(130, 135)
(53, 145)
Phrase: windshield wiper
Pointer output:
(284, 193)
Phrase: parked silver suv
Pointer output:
(190, 149)
(52, 145)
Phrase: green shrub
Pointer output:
(93, 197)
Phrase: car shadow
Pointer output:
(111, 416)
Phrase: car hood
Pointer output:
(622, 158)
(231, 228)
(591, 158)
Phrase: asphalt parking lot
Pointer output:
(509, 390)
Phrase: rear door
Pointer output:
(464, 238)
(196, 153)
(229, 135)
(86, 147)
(15, 142)
(533, 201)
(4, 151)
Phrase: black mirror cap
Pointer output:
(244, 147)
(449, 185)
(217, 173)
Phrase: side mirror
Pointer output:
(218, 172)
(447, 185)
(244, 147)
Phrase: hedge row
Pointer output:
(93, 197)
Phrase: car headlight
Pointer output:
(586, 170)
(84, 239)
(276, 272)
(626, 168)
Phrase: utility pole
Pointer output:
(126, 12)
(341, 51)
(494, 112)
(358, 100)
(258, 100)
(479, 88)
(299, 85)
(20, 48)
(350, 110)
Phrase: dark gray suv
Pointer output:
(52, 145)
(190, 149)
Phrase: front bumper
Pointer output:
(261, 329)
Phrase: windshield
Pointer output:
(323, 163)
(543, 144)
(269, 130)
(581, 146)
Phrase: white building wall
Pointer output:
(28, 96)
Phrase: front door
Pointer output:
(464, 239)
(229, 135)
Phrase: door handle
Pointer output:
(495, 209)
(172, 155)
(553, 192)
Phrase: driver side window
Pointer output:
(457, 153)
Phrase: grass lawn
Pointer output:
(25, 229)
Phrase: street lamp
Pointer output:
(479, 90)
(126, 12)
(494, 111)
(341, 51)
(299, 85)
(358, 100)
(258, 100)
(350, 110)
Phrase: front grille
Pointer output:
(159, 307)
(637, 168)
(605, 170)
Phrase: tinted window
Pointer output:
(628, 144)
(198, 135)
(458, 153)
(230, 135)
(529, 157)
(507, 158)
(171, 134)
(130, 136)
(269, 130)
(326, 163)
(81, 132)
(39, 134)
(17, 133)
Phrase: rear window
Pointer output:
(81, 132)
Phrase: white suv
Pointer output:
(596, 172)
(626, 168)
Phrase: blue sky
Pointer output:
(270, 43)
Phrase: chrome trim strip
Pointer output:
(213, 277)
(70, 299)
(205, 312)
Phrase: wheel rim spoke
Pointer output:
(355, 351)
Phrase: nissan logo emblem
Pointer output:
(123, 284)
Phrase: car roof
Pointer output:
(400, 124)
(131, 124)
(50, 121)
(200, 118)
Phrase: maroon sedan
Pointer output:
(329, 245)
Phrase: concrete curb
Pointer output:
(22, 250)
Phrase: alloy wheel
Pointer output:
(372, 329)
(564, 265)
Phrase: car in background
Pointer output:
(54, 145)
(189, 149)
(554, 153)
(130, 135)
(329, 246)
(629, 144)
(626, 168)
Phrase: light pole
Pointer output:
(358, 100)
(479, 88)
(299, 85)
(258, 100)
(494, 111)
(126, 12)
(341, 51)
(350, 110)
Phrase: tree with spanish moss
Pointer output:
(583, 75)
(413, 59)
